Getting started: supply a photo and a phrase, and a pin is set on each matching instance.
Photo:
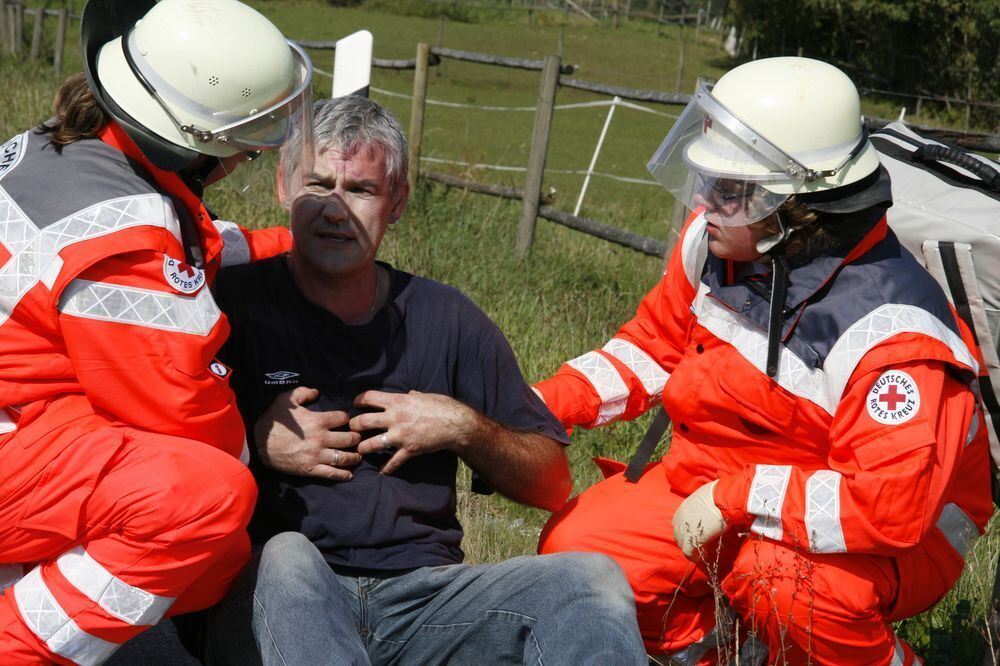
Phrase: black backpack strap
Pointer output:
(944, 256)
(644, 452)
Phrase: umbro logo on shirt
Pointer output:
(280, 377)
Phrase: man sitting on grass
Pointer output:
(393, 378)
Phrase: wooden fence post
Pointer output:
(57, 58)
(968, 100)
(11, 31)
(36, 33)
(3, 23)
(659, 21)
(680, 55)
(417, 114)
(536, 157)
(440, 44)
(18, 28)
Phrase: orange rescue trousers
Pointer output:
(806, 607)
(122, 528)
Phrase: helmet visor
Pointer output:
(713, 160)
(286, 118)
(287, 125)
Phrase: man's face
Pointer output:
(341, 213)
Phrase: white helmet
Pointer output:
(196, 77)
(767, 130)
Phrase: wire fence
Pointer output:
(554, 75)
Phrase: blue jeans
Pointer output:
(289, 607)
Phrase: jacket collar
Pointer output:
(807, 278)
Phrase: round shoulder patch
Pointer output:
(893, 398)
(185, 278)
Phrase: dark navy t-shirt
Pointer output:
(428, 337)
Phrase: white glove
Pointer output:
(697, 520)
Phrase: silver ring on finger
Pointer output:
(336, 457)
(385, 442)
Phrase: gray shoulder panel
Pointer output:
(48, 186)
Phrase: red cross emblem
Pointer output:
(182, 276)
(892, 398)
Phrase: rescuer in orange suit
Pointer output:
(124, 495)
(828, 470)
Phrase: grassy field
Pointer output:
(574, 290)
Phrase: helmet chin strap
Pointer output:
(195, 175)
(774, 246)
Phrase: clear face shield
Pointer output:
(295, 165)
(710, 160)
(283, 121)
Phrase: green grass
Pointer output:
(574, 291)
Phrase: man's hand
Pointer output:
(697, 520)
(415, 424)
(292, 439)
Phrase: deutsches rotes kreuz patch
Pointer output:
(183, 277)
(893, 398)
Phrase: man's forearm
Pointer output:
(526, 467)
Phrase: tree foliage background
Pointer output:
(933, 47)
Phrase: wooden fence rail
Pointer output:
(622, 237)
(438, 52)
(534, 205)
(553, 75)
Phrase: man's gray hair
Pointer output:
(352, 124)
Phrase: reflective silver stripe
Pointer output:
(235, 249)
(825, 389)
(142, 307)
(899, 654)
(123, 601)
(606, 381)
(694, 250)
(767, 495)
(10, 574)
(6, 424)
(958, 528)
(973, 428)
(44, 616)
(16, 229)
(882, 323)
(692, 654)
(793, 374)
(825, 533)
(34, 251)
(652, 376)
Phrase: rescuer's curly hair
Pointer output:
(815, 232)
(78, 115)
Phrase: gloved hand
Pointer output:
(697, 520)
